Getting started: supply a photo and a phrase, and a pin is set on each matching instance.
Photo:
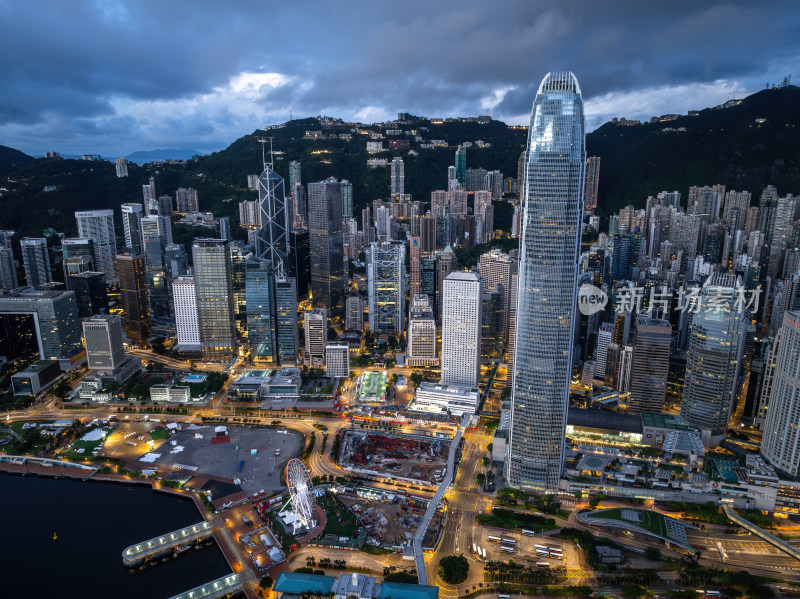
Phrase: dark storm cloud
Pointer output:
(158, 71)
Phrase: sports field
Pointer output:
(372, 386)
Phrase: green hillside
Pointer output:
(718, 146)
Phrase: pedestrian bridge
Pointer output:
(141, 552)
(758, 531)
(216, 589)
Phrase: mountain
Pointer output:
(745, 147)
(11, 159)
(143, 156)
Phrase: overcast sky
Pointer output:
(113, 77)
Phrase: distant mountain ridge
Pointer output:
(745, 147)
(142, 156)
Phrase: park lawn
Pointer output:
(159, 433)
(334, 510)
(502, 518)
(652, 521)
(87, 446)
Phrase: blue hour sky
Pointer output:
(113, 77)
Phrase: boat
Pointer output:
(55, 537)
(183, 549)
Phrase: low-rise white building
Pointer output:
(455, 399)
(176, 393)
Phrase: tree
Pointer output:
(481, 478)
(490, 447)
(454, 569)
(332, 334)
(632, 590)
(392, 341)
(652, 553)
(415, 378)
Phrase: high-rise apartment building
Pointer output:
(186, 324)
(103, 338)
(650, 365)
(213, 279)
(135, 297)
(592, 181)
(36, 260)
(461, 165)
(121, 165)
(427, 234)
(780, 444)
(315, 324)
(497, 268)
(132, 226)
(461, 328)
(605, 336)
(397, 177)
(446, 262)
(186, 200)
(249, 214)
(149, 196)
(327, 254)
(421, 347)
(386, 270)
(99, 225)
(548, 274)
(347, 199)
(716, 343)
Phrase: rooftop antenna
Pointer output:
(263, 141)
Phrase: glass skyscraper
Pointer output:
(213, 280)
(327, 253)
(548, 273)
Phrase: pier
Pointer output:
(141, 552)
(216, 589)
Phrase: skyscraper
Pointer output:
(605, 336)
(225, 227)
(8, 269)
(716, 343)
(315, 325)
(327, 253)
(496, 269)
(300, 261)
(122, 167)
(135, 297)
(187, 328)
(213, 279)
(99, 225)
(649, 365)
(461, 165)
(132, 227)
(592, 181)
(36, 260)
(780, 444)
(548, 274)
(416, 265)
(386, 270)
(427, 234)
(103, 337)
(446, 262)
(397, 177)
(186, 199)
(354, 317)
(272, 239)
(421, 348)
(149, 196)
(461, 329)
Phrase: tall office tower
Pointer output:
(121, 165)
(354, 317)
(132, 226)
(549, 250)
(103, 337)
(496, 269)
(176, 261)
(99, 225)
(8, 269)
(47, 320)
(36, 259)
(135, 297)
(421, 348)
(162, 206)
(649, 365)
(415, 279)
(624, 372)
(327, 260)
(383, 225)
(186, 325)
(461, 329)
(605, 336)
(252, 181)
(592, 181)
(249, 214)
(78, 255)
(155, 231)
(225, 228)
(716, 343)
(213, 279)
(300, 261)
(288, 333)
(315, 324)
(397, 177)
(337, 360)
(610, 377)
(492, 322)
(516, 221)
(299, 208)
(386, 275)
(149, 196)
(461, 165)
(186, 200)
(780, 444)
(261, 319)
(427, 284)
(427, 234)
(446, 262)
(90, 292)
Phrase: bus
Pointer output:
(713, 594)
(507, 549)
(541, 550)
(528, 533)
(509, 541)
(504, 597)
(542, 564)
(494, 539)
(556, 553)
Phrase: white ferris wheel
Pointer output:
(301, 490)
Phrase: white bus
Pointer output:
(542, 564)
(507, 549)
(541, 550)
(509, 541)
(528, 533)
(494, 539)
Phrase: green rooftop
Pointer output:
(669, 421)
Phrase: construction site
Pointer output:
(408, 457)
(391, 518)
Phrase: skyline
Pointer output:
(133, 77)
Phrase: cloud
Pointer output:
(200, 75)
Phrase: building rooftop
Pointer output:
(296, 583)
(38, 366)
(670, 421)
(31, 293)
(408, 591)
(626, 423)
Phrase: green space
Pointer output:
(341, 521)
(88, 447)
(650, 521)
(286, 540)
(372, 386)
(371, 550)
(159, 433)
(31, 441)
(454, 569)
(502, 518)
(759, 519)
(700, 512)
